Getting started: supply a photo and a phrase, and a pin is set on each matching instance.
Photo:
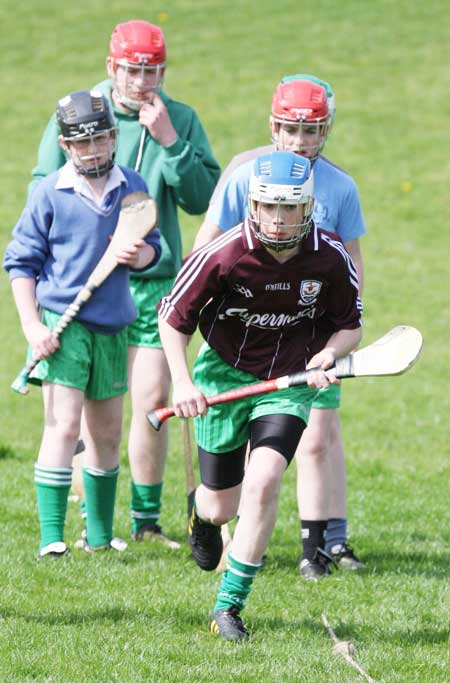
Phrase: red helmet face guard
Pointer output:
(300, 118)
(138, 57)
(304, 138)
(136, 84)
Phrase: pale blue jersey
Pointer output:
(337, 207)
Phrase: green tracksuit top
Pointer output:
(184, 174)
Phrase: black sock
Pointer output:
(313, 537)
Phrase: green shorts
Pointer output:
(146, 294)
(328, 398)
(94, 363)
(225, 426)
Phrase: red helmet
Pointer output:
(300, 119)
(300, 101)
(138, 42)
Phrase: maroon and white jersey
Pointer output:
(262, 316)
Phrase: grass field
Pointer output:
(141, 616)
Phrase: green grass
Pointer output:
(141, 616)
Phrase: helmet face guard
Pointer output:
(138, 49)
(138, 84)
(92, 154)
(302, 137)
(300, 118)
(89, 132)
(285, 181)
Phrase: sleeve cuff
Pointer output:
(175, 149)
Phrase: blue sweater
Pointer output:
(59, 239)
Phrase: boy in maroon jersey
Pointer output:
(263, 296)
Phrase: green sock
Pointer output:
(100, 496)
(236, 584)
(52, 489)
(145, 504)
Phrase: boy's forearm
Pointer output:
(174, 344)
(207, 233)
(24, 292)
(344, 342)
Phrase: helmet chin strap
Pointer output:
(132, 105)
(280, 245)
(97, 171)
(136, 105)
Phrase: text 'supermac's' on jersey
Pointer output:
(259, 315)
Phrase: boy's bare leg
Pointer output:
(259, 504)
(313, 472)
(62, 411)
(149, 384)
(321, 494)
(336, 467)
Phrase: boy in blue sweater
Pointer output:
(61, 235)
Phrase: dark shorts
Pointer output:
(282, 433)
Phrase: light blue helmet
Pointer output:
(281, 178)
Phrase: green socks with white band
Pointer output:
(52, 489)
(236, 584)
(100, 497)
(145, 504)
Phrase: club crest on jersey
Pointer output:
(243, 290)
(309, 291)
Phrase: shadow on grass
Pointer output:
(182, 619)
(430, 564)
(82, 615)
(6, 452)
(365, 634)
(176, 619)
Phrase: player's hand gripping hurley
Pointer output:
(393, 354)
(138, 216)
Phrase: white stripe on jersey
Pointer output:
(316, 238)
(248, 234)
(192, 267)
(340, 247)
(219, 307)
(241, 347)
(353, 275)
(274, 357)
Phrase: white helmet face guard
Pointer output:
(93, 154)
(302, 137)
(280, 195)
(139, 84)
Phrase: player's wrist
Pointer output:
(30, 324)
(169, 139)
